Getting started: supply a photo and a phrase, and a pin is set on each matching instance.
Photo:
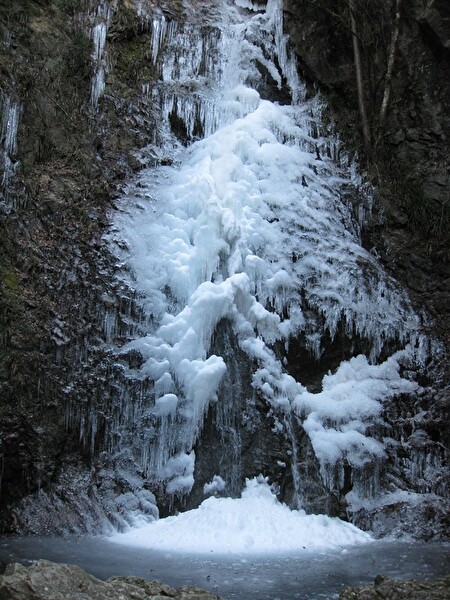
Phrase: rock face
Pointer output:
(45, 580)
(385, 588)
(64, 159)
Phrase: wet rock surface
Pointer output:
(391, 589)
(45, 580)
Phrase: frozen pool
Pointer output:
(308, 574)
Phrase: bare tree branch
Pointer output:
(359, 77)
(390, 67)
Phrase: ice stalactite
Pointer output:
(10, 117)
(159, 31)
(101, 17)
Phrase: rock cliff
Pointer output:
(68, 157)
(408, 155)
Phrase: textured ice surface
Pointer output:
(337, 417)
(315, 574)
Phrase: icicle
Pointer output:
(286, 61)
(97, 87)
(99, 39)
(101, 19)
(294, 460)
(10, 116)
(159, 30)
(10, 124)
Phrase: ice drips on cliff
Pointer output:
(250, 225)
(9, 122)
(100, 18)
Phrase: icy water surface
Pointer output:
(308, 575)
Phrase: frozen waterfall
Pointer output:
(245, 219)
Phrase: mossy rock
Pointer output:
(132, 62)
(125, 24)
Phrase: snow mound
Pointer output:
(256, 523)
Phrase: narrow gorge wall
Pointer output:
(79, 118)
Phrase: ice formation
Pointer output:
(10, 116)
(101, 19)
(249, 224)
(256, 523)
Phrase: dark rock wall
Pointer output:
(408, 159)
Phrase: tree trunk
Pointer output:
(359, 78)
(390, 67)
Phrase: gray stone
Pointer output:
(45, 580)
(389, 589)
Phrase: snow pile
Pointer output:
(256, 523)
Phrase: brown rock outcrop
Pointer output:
(390, 589)
(45, 580)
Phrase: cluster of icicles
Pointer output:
(9, 122)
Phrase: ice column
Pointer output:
(159, 30)
(9, 126)
(101, 19)
(287, 61)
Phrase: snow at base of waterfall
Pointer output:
(256, 523)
